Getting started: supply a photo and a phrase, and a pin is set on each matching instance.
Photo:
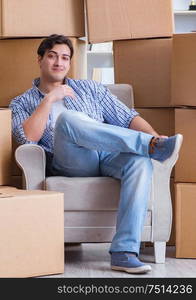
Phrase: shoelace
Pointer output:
(153, 144)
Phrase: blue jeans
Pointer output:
(86, 147)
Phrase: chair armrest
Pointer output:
(32, 160)
(161, 201)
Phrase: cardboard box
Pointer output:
(107, 21)
(5, 146)
(146, 65)
(161, 71)
(185, 203)
(41, 18)
(161, 119)
(170, 121)
(185, 123)
(32, 233)
(183, 70)
(18, 59)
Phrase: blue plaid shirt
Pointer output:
(92, 98)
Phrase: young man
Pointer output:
(87, 131)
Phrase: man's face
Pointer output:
(55, 63)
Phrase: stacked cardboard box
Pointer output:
(169, 121)
(161, 67)
(32, 231)
(163, 81)
(162, 71)
(23, 25)
(19, 40)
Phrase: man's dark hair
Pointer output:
(50, 41)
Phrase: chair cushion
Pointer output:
(87, 193)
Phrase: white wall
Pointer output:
(181, 4)
(184, 23)
(99, 60)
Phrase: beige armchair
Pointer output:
(91, 203)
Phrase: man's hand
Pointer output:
(140, 124)
(163, 136)
(35, 125)
(59, 93)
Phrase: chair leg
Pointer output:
(159, 252)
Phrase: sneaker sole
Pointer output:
(138, 270)
(174, 157)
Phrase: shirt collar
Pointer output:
(36, 83)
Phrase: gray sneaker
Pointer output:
(163, 149)
(123, 261)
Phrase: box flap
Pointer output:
(14, 192)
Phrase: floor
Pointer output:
(93, 261)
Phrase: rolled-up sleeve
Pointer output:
(19, 115)
(114, 111)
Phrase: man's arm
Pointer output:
(35, 125)
(115, 112)
(140, 124)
